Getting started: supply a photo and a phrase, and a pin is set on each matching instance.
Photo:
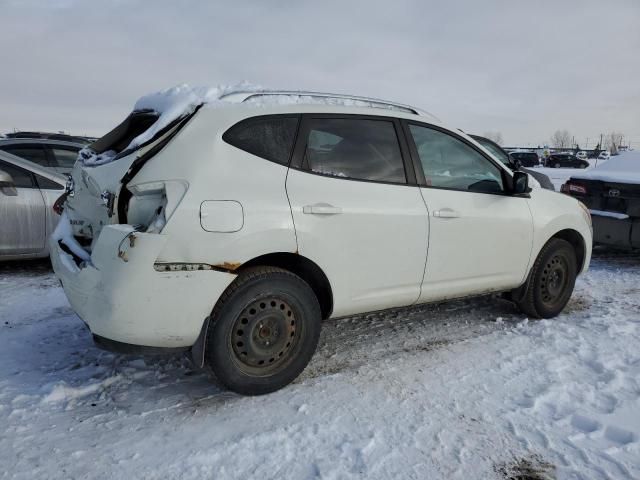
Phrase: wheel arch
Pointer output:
(577, 241)
(297, 264)
(305, 268)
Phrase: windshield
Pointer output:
(494, 149)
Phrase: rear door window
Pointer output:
(361, 149)
(21, 178)
(45, 184)
(33, 152)
(269, 137)
(64, 156)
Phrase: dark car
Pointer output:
(612, 195)
(565, 160)
(526, 159)
(512, 163)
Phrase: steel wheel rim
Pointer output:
(264, 335)
(554, 280)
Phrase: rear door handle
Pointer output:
(446, 213)
(321, 209)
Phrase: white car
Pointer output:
(232, 224)
(582, 155)
(27, 194)
(604, 155)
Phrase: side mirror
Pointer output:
(7, 185)
(520, 183)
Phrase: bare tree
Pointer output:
(495, 136)
(561, 139)
(612, 141)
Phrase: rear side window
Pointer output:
(359, 149)
(33, 153)
(46, 184)
(270, 137)
(65, 156)
(21, 178)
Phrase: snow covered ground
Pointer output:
(463, 389)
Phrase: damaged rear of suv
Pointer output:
(111, 235)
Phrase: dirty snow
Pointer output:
(459, 390)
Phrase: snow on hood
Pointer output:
(171, 104)
(624, 168)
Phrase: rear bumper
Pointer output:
(615, 232)
(123, 299)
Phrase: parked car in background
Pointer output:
(57, 155)
(612, 194)
(582, 155)
(604, 155)
(52, 136)
(167, 243)
(565, 160)
(512, 162)
(27, 194)
(526, 159)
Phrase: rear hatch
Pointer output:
(97, 193)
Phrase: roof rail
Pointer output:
(241, 96)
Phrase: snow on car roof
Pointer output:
(624, 168)
(176, 102)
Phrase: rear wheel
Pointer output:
(557, 165)
(264, 331)
(551, 281)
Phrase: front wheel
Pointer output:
(265, 329)
(551, 280)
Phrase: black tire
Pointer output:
(551, 280)
(264, 330)
(557, 165)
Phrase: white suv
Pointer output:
(232, 225)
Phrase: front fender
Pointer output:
(554, 213)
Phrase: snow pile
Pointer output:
(64, 232)
(293, 99)
(623, 168)
(170, 104)
(61, 391)
(91, 159)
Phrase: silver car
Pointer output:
(27, 194)
(57, 155)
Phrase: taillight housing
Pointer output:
(573, 188)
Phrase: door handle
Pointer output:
(321, 209)
(446, 213)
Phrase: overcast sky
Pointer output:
(522, 68)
